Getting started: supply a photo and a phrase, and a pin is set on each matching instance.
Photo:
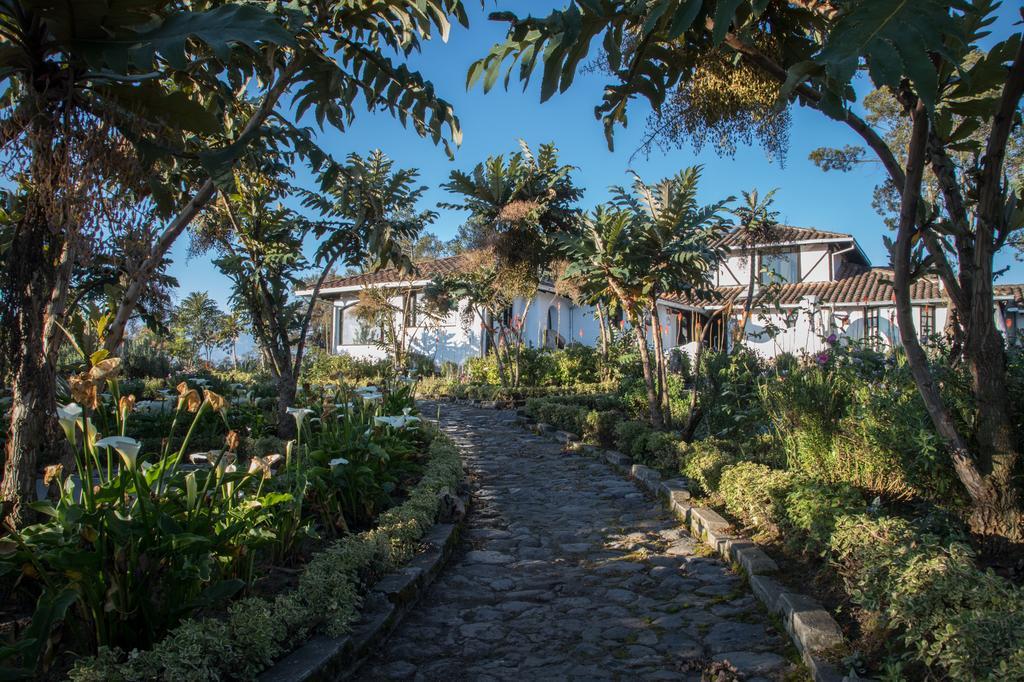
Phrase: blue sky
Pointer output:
(493, 124)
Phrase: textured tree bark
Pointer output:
(38, 272)
(653, 401)
(661, 364)
(988, 478)
(287, 388)
(602, 322)
(34, 436)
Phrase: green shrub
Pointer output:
(894, 437)
(659, 450)
(574, 364)
(630, 436)
(704, 462)
(813, 507)
(565, 417)
(599, 427)
(956, 621)
(482, 370)
(754, 493)
(321, 367)
(142, 360)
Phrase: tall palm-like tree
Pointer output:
(516, 205)
(200, 319)
(678, 242)
(607, 259)
(368, 211)
(756, 226)
(232, 327)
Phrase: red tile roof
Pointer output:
(788, 233)
(1014, 291)
(854, 284)
(424, 270)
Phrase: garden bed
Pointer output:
(258, 631)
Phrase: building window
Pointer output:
(872, 319)
(682, 328)
(927, 323)
(551, 338)
(780, 268)
(355, 331)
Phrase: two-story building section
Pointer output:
(807, 284)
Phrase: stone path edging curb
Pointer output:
(812, 629)
(387, 602)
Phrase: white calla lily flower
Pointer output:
(299, 413)
(68, 415)
(398, 421)
(128, 448)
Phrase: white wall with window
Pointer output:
(782, 267)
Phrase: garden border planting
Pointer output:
(813, 631)
(257, 631)
(390, 599)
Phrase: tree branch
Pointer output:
(115, 334)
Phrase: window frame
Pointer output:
(873, 325)
(927, 323)
(767, 275)
(341, 329)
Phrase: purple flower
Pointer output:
(831, 340)
(823, 358)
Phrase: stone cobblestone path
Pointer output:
(567, 571)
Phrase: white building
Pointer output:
(818, 283)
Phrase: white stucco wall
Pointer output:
(806, 325)
(447, 340)
(574, 324)
(800, 329)
(814, 263)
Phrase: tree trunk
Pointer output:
(286, 390)
(34, 435)
(661, 364)
(748, 305)
(995, 503)
(604, 338)
(36, 281)
(653, 402)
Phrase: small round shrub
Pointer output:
(599, 427)
(754, 493)
(704, 463)
(813, 508)
(659, 450)
(630, 436)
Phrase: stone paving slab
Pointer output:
(567, 571)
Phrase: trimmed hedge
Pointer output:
(257, 631)
(754, 494)
(443, 387)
